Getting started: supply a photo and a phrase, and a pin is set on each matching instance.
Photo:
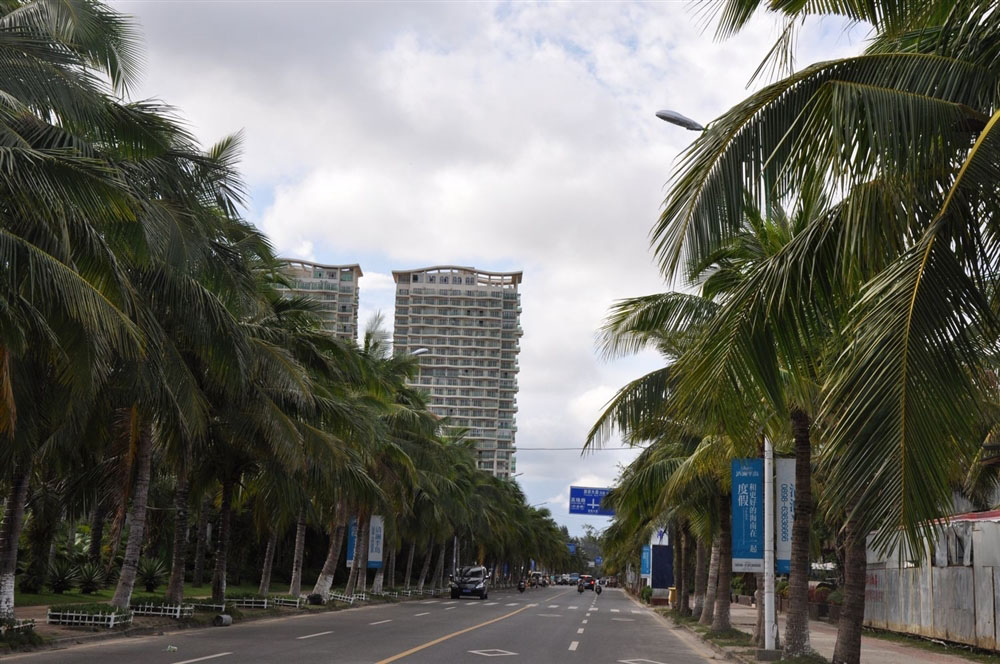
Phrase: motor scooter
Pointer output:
(520, 586)
(597, 588)
(579, 587)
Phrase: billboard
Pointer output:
(375, 537)
(748, 514)
(587, 500)
(785, 513)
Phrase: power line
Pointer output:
(573, 449)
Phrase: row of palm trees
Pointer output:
(837, 235)
(147, 350)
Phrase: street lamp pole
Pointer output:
(770, 622)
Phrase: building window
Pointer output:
(444, 280)
(416, 278)
(346, 276)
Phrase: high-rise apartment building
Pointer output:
(468, 322)
(335, 287)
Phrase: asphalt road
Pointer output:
(545, 625)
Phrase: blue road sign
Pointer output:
(571, 547)
(748, 515)
(647, 557)
(598, 561)
(587, 500)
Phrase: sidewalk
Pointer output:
(823, 636)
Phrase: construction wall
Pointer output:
(953, 594)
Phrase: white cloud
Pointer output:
(506, 136)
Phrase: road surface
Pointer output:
(542, 626)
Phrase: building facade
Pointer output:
(464, 324)
(335, 287)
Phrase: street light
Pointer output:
(675, 118)
(420, 351)
(770, 624)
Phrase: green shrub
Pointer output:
(62, 576)
(782, 589)
(647, 594)
(737, 585)
(836, 597)
(818, 595)
(90, 577)
(151, 573)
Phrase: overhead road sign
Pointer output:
(588, 500)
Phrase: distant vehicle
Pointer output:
(574, 578)
(470, 581)
(587, 581)
(564, 580)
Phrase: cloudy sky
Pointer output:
(511, 135)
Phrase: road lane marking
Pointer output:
(511, 604)
(453, 602)
(574, 607)
(494, 652)
(425, 613)
(616, 611)
(431, 601)
(309, 636)
(584, 621)
(573, 645)
(623, 619)
(441, 639)
(450, 608)
(380, 622)
(553, 606)
(636, 611)
(549, 615)
(202, 659)
(580, 630)
(491, 603)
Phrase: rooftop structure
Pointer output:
(468, 320)
(335, 287)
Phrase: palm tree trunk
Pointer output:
(700, 577)
(379, 579)
(10, 534)
(797, 616)
(392, 568)
(295, 588)
(97, 532)
(357, 572)
(175, 586)
(711, 586)
(364, 524)
(427, 566)
(439, 570)
(136, 517)
(852, 612)
(200, 544)
(265, 572)
(222, 543)
(685, 582)
(720, 620)
(325, 580)
(409, 564)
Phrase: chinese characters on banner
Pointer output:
(748, 515)
(785, 489)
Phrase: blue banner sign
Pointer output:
(785, 485)
(375, 531)
(587, 500)
(598, 561)
(571, 547)
(748, 515)
(646, 560)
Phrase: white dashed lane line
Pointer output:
(511, 604)
(491, 603)
(584, 621)
(380, 622)
(579, 630)
(573, 608)
(450, 608)
(615, 610)
(425, 613)
(553, 606)
(573, 645)
(202, 659)
(309, 636)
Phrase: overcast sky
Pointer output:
(498, 135)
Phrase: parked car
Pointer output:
(470, 581)
(587, 581)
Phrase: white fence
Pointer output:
(19, 625)
(92, 619)
(251, 603)
(177, 611)
(217, 608)
(297, 602)
(340, 597)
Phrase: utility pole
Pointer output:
(770, 627)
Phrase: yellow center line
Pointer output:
(438, 640)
